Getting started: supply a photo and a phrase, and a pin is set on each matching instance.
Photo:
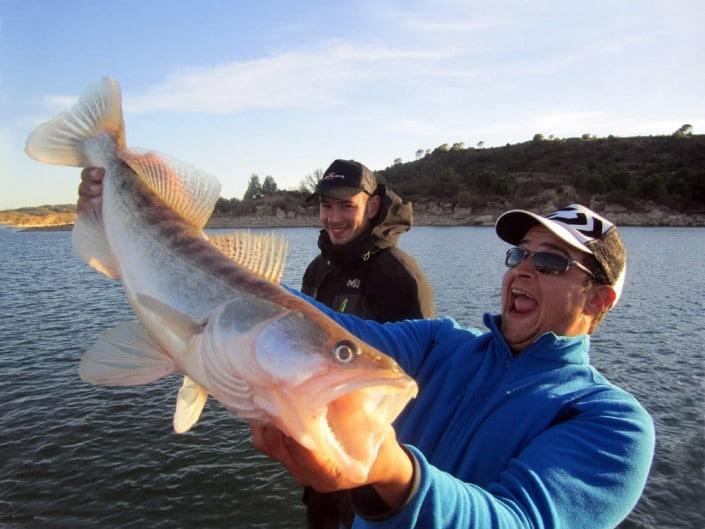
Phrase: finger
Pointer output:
(277, 444)
(264, 440)
(314, 468)
(270, 441)
(90, 190)
(257, 433)
(93, 174)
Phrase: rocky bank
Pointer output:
(426, 213)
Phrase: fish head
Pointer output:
(328, 390)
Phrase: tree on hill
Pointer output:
(254, 188)
(231, 206)
(685, 130)
(269, 186)
(310, 181)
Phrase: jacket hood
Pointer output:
(394, 218)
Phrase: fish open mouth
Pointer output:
(356, 419)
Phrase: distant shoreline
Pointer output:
(654, 218)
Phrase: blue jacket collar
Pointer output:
(548, 346)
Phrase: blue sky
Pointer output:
(283, 88)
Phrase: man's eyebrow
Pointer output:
(341, 201)
(549, 245)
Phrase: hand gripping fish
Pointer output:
(211, 307)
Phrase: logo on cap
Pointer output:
(333, 176)
(580, 219)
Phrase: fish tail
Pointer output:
(62, 140)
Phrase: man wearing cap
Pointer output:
(512, 427)
(360, 269)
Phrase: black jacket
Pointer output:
(370, 277)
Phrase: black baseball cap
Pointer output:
(581, 228)
(345, 178)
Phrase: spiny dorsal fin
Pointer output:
(263, 255)
(188, 191)
(60, 140)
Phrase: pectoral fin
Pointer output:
(179, 324)
(125, 356)
(189, 404)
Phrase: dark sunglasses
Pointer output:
(544, 262)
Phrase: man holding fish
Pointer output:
(510, 428)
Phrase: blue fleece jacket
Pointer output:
(541, 440)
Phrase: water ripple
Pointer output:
(80, 456)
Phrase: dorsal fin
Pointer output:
(263, 255)
(188, 191)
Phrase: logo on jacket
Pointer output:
(354, 283)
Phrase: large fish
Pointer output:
(212, 308)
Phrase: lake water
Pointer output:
(74, 455)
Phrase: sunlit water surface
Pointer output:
(74, 455)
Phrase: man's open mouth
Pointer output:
(521, 302)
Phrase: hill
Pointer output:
(55, 217)
(668, 171)
(654, 180)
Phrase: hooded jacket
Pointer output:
(370, 276)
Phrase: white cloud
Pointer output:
(424, 25)
(318, 78)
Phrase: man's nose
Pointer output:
(334, 214)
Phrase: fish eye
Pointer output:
(345, 351)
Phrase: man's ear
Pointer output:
(600, 298)
(373, 205)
